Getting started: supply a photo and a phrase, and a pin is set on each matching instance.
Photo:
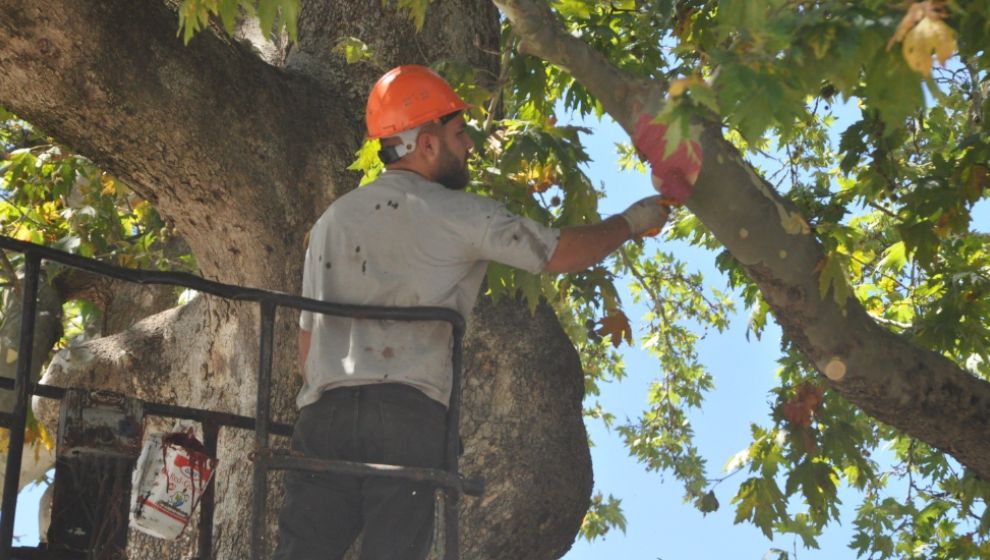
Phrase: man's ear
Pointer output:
(428, 144)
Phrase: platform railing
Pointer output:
(265, 459)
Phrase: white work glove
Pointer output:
(646, 216)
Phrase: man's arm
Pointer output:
(304, 339)
(580, 247)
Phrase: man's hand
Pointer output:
(646, 216)
(673, 174)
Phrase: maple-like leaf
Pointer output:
(923, 34)
(930, 36)
(616, 324)
(978, 179)
(804, 404)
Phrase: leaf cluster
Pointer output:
(52, 196)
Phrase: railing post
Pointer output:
(211, 434)
(452, 501)
(32, 269)
(262, 419)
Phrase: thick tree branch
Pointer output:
(112, 80)
(911, 388)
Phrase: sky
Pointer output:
(660, 526)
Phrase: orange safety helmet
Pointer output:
(407, 97)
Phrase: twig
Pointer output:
(621, 94)
(668, 342)
(891, 322)
(884, 210)
(503, 78)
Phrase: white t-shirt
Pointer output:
(404, 241)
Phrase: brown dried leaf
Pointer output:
(804, 404)
(616, 324)
(978, 180)
(797, 414)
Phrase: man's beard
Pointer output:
(451, 173)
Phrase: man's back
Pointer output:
(404, 241)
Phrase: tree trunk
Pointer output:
(242, 156)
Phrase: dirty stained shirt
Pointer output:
(404, 241)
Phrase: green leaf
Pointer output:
(416, 9)
(576, 9)
(602, 516)
(833, 276)
(708, 503)
(367, 161)
(892, 89)
(920, 241)
(894, 258)
(353, 49)
(761, 502)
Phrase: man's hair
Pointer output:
(388, 152)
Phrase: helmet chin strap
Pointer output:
(392, 154)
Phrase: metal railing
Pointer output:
(265, 460)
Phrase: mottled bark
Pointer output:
(909, 387)
(241, 156)
(530, 392)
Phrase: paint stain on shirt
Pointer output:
(533, 243)
(388, 353)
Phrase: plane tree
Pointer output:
(214, 150)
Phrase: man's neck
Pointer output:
(404, 166)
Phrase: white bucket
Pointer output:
(168, 482)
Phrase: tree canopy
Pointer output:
(862, 249)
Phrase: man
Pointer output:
(377, 391)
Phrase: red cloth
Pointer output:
(675, 174)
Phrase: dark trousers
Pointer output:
(323, 513)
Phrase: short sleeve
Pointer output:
(517, 241)
(308, 289)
